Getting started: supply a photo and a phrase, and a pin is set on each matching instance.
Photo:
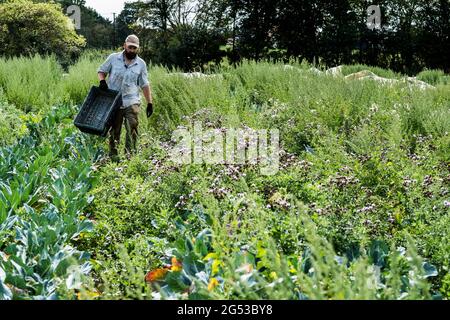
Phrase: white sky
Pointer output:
(107, 7)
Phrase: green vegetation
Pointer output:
(31, 84)
(44, 181)
(434, 77)
(359, 209)
(28, 28)
(413, 34)
(12, 124)
(35, 84)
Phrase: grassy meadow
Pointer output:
(358, 210)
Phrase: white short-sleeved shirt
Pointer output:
(126, 79)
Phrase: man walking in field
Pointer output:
(127, 73)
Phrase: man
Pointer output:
(127, 73)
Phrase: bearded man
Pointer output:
(127, 73)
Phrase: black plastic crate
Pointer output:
(97, 112)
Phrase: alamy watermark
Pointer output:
(374, 17)
(227, 146)
(74, 13)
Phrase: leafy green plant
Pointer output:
(45, 178)
(319, 273)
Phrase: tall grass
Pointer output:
(434, 77)
(80, 78)
(349, 69)
(31, 84)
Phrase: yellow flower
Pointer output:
(88, 295)
(215, 267)
(212, 284)
(176, 265)
(210, 256)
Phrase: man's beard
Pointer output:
(130, 55)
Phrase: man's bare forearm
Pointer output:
(148, 94)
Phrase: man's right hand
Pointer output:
(103, 85)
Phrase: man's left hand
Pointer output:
(149, 109)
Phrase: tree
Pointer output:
(339, 35)
(192, 47)
(126, 21)
(434, 37)
(299, 22)
(173, 32)
(185, 33)
(29, 28)
(256, 26)
(98, 31)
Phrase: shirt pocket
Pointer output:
(132, 77)
(130, 83)
(116, 79)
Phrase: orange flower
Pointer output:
(212, 284)
(176, 265)
(156, 275)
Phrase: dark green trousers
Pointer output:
(129, 116)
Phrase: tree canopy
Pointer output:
(40, 29)
(414, 34)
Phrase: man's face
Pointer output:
(130, 51)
